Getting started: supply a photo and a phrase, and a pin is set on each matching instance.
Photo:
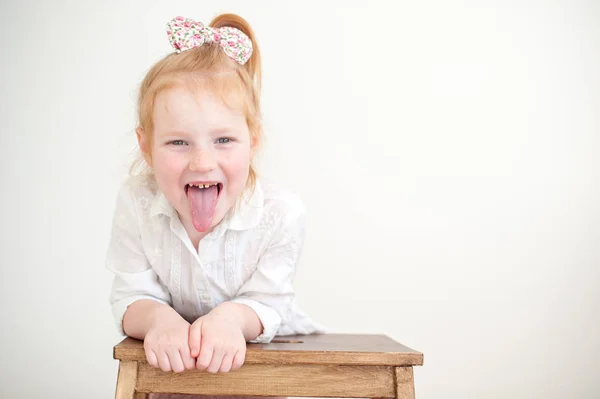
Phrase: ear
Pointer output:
(143, 143)
(254, 142)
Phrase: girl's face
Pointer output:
(199, 141)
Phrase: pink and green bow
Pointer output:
(185, 34)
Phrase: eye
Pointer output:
(224, 140)
(177, 142)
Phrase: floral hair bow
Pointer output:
(185, 34)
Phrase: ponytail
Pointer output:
(253, 66)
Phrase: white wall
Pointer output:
(446, 151)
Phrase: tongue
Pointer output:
(202, 203)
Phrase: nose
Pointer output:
(203, 161)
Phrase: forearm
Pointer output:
(142, 315)
(243, 316)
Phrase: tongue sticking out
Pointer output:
(203, 202)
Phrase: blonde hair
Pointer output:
(205, 67)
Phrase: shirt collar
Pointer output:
(249, 210)
(245, 216)
(160, 205)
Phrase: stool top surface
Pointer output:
(335, 349)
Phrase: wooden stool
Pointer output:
(330, 365)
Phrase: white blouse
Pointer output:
(249, 258)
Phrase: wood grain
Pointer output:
(405, 386)
(327, 349)
(275, 380)
(126, 380)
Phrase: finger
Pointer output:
(176, 362)
(205, 357)
(227, 362)
(195, 337)
(163, 361)
(151, 358)
(217, 359)
(238, 359)
(188, 361)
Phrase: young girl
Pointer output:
(203, 255)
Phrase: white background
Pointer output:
(447, 152)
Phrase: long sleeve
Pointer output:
(269, 290)
(134, 279)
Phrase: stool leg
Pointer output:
(405, 383)
(126, 380)
(141, 395)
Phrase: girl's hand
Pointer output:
(218, 342)
(166, 343)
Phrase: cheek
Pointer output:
(168, 164)
(237, 165)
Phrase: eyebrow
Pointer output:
(222, 130)
(212, 132)
(169, 133)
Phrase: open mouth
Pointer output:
(203, 198)
(204, 186)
